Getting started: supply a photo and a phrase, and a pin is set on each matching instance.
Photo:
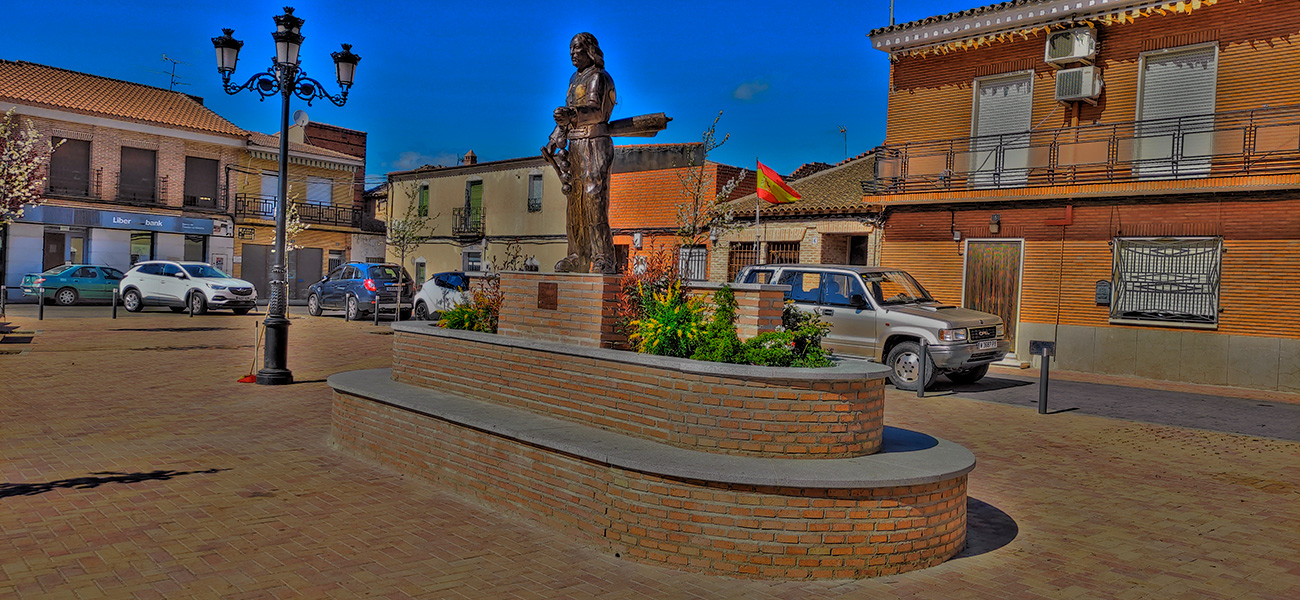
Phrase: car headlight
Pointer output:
(952, 335)
(216, 287)
(1002, 330)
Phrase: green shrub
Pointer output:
(672, 324)
(797, 344)
(720, 342)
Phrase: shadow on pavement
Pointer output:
(988, 384)
(987, 529)
(84, 483)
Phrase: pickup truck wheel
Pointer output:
(968, 375)
(905, 367)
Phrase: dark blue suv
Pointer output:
(353, 288)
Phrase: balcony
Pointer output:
(467, 222)
(256, 206)
(205, 203)
(1219, 151)
(141, 192)
(77, 186)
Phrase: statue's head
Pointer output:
(585, 51)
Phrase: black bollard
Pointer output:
(114, 303)
(925, 362)
(4, 296)
(1042, 384)
(376, 309)
(40, 302)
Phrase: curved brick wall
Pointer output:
(726, 524)
(736, 409)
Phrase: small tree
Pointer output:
(23, 157)
(293, 226)
(702, 210)
(407, 234)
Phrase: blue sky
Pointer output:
(439, 78)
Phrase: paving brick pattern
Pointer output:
(133, 466)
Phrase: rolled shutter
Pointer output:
(1003, 107)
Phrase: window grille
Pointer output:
(739, 256)
(693, 263)
(424, 201)
(782, 252)
(1167, 280)
(534, 193)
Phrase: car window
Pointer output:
(150, 269)
(805, 286)
(170, 269)
(385, 273)
(896, 287)
(52, 271)
(350, 272)
(204, 271)
(111, 273)
(337, 273)
(86, 272)
(838, 289)
(759, 276)
(452, 281)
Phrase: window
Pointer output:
(693, 263)
(473, 260)
(1174, 136)
(1166, 280)
(452, 281)
(859, 250)
(474, 196)
(621, 253)
(805, 286)
(87, 273)
(141, 246)
(759, 276)
(112, 274)
(535, 193)
(739, 256)
(154, 269)
(200, 182)
(782, 252)
(1000, 150)
(424, 201)
(171, 270)
(351, 272)
(336, 259)
(839, 289)
(419, 273)
(196, 247)
(70, 168)
(318, 190)
(137, 179)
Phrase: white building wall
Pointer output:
(25, 255)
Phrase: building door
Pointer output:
(54, 250)
(993, 280)
(306, 271)
(254, 268)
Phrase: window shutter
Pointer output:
(318, 190)
(1003, 106)
(1180, 87)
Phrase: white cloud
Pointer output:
(750, 89)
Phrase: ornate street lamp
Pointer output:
(285, 78)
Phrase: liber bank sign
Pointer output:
(85, 217)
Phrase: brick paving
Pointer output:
(133, 466)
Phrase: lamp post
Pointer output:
(285, 78)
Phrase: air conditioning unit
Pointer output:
(1083, 83)
(1072, 45)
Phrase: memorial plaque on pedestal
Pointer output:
(547, 295)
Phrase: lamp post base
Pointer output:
(274, 377)
(275, 363)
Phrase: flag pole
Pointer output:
(758, 240)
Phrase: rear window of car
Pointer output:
(52, 271)
(455, 281)
(111, 273)
(387, 273)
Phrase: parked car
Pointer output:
(441, 292)
(70, 284)
(181, 285)
(884, 315)
(353, 288)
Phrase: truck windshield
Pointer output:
(895, 287)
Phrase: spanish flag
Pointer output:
(772, 189)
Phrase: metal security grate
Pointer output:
(693, 263)
(1170, 280)
(739, 256)
(782, 252)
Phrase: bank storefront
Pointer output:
(48, 236)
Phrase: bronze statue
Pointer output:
(581, 151)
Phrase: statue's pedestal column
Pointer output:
(571, 308)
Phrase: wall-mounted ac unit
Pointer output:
(1072, 45)
(1083, 83)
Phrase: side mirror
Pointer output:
(180, 275)
(858, 301)
(324, 278)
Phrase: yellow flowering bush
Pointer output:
(672, 325)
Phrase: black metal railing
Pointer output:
(257, 206)
(467, 221)
(1226, 144)
(141, 192)
(206, 203)
(85, 186)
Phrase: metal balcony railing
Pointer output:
(256, 206)
(467, 221)
(141, 192)
(206, 203)
(1226, 144)
(85, 186)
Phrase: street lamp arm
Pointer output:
(266, 83)
(310, 89)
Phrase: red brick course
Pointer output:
(583, 315)
(737, 530)
(768, 416)
(758, 307)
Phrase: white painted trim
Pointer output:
(58, 115)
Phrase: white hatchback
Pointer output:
(440, 293)
(181, 285)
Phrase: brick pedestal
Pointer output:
(572, 308)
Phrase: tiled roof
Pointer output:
(60, 89)
(835, 190)
(271, 143)
(807, 169)
(950, 16)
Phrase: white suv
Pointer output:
(440, 293)
(181, 285)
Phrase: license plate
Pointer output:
(989, 345)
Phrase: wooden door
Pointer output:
(254, 269)
(55, 250)
(993, 280)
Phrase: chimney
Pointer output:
(471, 158)
(297, 134)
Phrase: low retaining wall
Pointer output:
(898, 510)
(736, 409)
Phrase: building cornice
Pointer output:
(71, 117)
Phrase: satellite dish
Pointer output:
(300, 118)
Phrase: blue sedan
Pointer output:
(69, 284)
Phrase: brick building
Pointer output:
(136, 176)
(1118, 176)
(828, 224)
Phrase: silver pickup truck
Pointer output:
(883, 314)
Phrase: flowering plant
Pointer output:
(22, 160)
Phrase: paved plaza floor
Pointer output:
(133, 465)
